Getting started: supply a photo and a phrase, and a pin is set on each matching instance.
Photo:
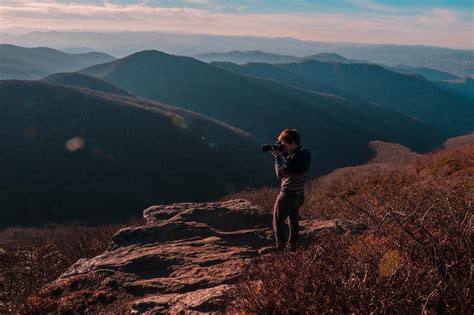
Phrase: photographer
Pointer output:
(292, 163)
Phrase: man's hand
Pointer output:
(276, 153)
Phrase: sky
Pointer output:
(436, 22)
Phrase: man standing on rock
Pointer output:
(291, 166)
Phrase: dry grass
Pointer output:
(33, 257)
(417, 257)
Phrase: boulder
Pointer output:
(184, 259)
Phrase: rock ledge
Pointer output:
(183, 260)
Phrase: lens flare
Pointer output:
(179, 121)
(75, 144)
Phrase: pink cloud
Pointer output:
(440, 27)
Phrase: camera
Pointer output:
(278, 146)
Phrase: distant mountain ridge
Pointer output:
(338, 130)
(85, 81)
(457, 61)
(41, 61)
(407, 94)
(280, 74)
(244, 57)
(328, 57)
(11, 67)
(462, 87)
(430, 74)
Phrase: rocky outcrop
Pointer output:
(184, 259)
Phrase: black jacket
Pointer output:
(293, 169)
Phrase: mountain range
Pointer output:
(337, 129)
(456, 61)
(85, 81)
(243, 57)
(78, 154)
(34, 63)
(430, 74)
(411, 95)
(155, 128)
(463, 87)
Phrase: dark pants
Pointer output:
(287, 206)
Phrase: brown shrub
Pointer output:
(416, 258)
(33, 257)
(263, 197)
(82, 294)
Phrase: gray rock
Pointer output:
(183, 260)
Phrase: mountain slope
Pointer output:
(47, 59)
(243, 57)
(75, 154)
(337, 130)
(277, 73)
(430, 74)
(406, 94)
(462, 87)
(85, 81)
(20, 69)
(327, 57)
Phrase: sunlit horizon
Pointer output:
(430, 23)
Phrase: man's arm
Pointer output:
(295, 165)
(279, 163)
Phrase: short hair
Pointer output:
(290, 136)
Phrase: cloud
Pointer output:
(201, 2)
(440, 27)
(380, 7)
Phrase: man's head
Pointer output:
(290, 138)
